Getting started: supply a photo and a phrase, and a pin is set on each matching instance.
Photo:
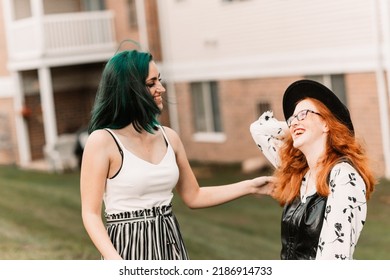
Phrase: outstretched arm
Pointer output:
(201, 197)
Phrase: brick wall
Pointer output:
(153, 29)
(8, 144)
(363, 102)
(239, 101)
(124, 31)
(72, 113)
(122, 27)
(35, 126)
(73, 109)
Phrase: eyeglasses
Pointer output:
(301, 115)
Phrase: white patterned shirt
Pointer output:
(346, 207)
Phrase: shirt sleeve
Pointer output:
(345, 214)
(268, 134)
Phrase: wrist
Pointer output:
(251, 186)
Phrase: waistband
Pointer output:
(144, 214)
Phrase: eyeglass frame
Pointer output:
(301, 115)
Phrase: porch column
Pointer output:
(166, 68)
(382, 41)
(21, 125)
(47, 103)
(385, 100)
(37, 12)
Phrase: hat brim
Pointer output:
(302, 89)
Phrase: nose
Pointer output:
(160, 87)
(294, 122)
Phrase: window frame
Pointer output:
(213, 130)
(329, 81)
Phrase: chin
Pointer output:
(297, 144)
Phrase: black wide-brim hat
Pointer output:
(302, 89)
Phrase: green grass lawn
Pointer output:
(40, 219)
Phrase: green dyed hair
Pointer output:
(122, 97)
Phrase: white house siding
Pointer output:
(217, 39)
(255, 48)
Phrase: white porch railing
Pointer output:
(59, 34)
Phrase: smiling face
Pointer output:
(308, 131)
(153, 82)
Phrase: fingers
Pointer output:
(267, 186)
(269, 180)
(263, 185)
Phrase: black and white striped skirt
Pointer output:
(149, 234)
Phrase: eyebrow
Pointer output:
(153, 78)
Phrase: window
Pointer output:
(263, 107)
(207, 117)
(335, 82)
(94, 5)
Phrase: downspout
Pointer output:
(380, 21)
(166, 62)
(142, 25)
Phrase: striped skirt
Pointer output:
(149, 234)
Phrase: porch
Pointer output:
(44, 44)
(60, 39)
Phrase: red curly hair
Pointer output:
(341, 143)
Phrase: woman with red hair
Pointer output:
(323, 179)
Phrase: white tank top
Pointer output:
(140, 184)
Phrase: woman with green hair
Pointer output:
(132, 164)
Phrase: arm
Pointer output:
(94, 171)
(345, 214)
(268, 134)
(201, 197)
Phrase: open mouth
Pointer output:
(298, 132)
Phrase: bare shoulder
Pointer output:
(99, 138)
(173, 137)
(98, 135)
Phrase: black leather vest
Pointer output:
(301, 228)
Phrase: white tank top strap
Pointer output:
(165, 136)
(140, 184)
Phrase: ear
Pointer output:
(325, 127)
